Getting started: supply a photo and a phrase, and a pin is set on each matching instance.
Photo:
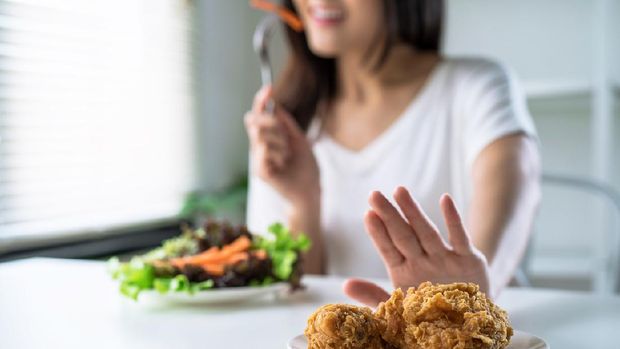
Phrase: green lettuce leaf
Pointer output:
(283, 248)
(137, 276)
(134, 276)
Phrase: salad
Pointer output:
(217, 255)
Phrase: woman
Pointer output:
(367, 104)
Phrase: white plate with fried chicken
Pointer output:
(437, 316)
(520, 340)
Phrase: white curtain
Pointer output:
(95, 116)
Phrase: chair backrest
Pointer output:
(606, 273)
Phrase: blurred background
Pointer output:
(119, 119)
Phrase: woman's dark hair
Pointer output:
(308, 79)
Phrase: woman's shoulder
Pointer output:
(472, 78)
(474, 65)
(472, 69)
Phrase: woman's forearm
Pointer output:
(504, 204)
(306, 217)
(503, 237)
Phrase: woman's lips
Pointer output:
(326, 16)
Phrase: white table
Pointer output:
(52, 303)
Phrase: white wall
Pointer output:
(228, 78)
(615, 42)
(550, 39)
(614, 63)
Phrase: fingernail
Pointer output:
(400, 188)
(373, 194)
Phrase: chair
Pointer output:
(606, 264)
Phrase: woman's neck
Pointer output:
(358, 81)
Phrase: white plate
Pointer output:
(214, 296)
(520, 340)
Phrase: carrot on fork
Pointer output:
(286, 15)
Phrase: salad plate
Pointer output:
(228, 295)
(216, 263)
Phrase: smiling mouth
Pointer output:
(326, 15)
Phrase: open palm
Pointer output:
(413, 250)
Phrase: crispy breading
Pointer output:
(455, 316)
(343, 326)
(389, 315)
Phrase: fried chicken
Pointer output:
(389, 315)
(343, 326)
(455, 316)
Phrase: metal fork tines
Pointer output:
(262, 35)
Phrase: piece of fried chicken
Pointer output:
(455, 316)
(343, 326)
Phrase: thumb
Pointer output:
(365, 292)
(261, 98)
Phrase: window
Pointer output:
(95, 116)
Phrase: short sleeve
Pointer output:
(265, 206)
(495, 107)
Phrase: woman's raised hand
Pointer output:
(281, 154)
(413, 251)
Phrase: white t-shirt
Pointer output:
(430, 149)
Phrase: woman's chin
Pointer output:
(325, 50)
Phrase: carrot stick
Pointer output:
(232, 259)
(286, 15)
(241, 244)
(260, 254)
(237, 257)
(215, 255)
(214, 269)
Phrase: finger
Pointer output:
(277, 158)
(274, 139)
(261, 98)
(273, 142)
(381, 239)
(271, 158)
(267, 130)
(399, 231)
(365, 292)
(427, 233)
(265, 163)
(269, 170)
(258, 120)
(270, 131)
(250, 120)
(277, 145)
(456, 231)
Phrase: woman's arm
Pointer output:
(506, 181)
(282, 157)
(306, 217)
